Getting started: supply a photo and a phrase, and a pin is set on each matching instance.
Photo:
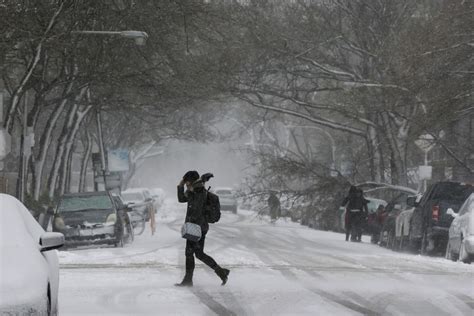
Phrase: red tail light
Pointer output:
(435, 213)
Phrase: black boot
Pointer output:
(222, 273)
(188, 279)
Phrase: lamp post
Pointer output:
(140, 38)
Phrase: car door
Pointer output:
(455, 233)
(464, 219)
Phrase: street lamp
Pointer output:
(140, 37)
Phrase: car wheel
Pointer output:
(463, 255)
(450, 255)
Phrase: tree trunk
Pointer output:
(397, 148)
(69, 170)
(16, 96)
(68, 128)
(85, 162)
(71, 138)
(46, 137)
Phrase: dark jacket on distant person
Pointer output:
(196, 200)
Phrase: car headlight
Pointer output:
(111, 219)
(59, 223)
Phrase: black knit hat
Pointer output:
(191, 176)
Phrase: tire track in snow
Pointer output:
(211, 303)
(262, 253)
(229, 298)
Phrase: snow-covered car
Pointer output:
(29, 268)
(461, 233)
(389, 217)
(227, 199)
(402, 223)
(88, 219)
(140, 200)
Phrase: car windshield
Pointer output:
(224, 192)
(132, 196)
(453, 192)
(77, 203)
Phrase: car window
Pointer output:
(452, 192)
(132, 196)
(147, 195)
(224, 192)
(468, 206)
(77, 203)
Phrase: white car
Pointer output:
(227, 199)
(461, 233)
(29, 268)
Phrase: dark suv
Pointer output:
(429, 225)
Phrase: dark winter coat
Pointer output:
(196, 200)
(356, 201)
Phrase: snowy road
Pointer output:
(281, 269)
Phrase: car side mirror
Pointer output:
(451, 212)
(49, 241)
(411, 201)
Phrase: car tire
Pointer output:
(463, 255)
(450, 255)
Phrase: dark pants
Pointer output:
(354, 225)
(196, 248)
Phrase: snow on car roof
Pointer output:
(223, 188)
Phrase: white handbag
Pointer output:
(191, 231)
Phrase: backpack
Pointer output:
(212, 209)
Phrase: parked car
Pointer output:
(140, 200)
(429, 225)
(461, 233)
(393, 209)
(402, 224)
(89, 218)
(29, 269)
(227, 199)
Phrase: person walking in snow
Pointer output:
(196, 196)
(356, 212)
(274, 205)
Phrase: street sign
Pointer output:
(114, 180)
(425, 172)
(118, 160)
(425, 142)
